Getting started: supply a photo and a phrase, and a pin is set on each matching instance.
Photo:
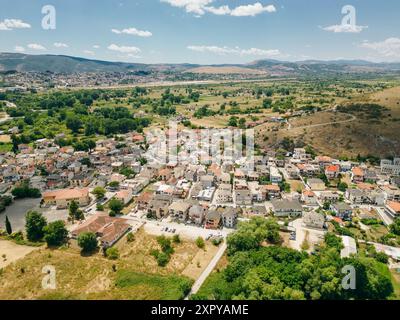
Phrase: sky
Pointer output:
(203, 31)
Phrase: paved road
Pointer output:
(199, 282)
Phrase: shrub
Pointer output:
(200, 242)
(112, 253)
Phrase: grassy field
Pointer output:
(135, 275)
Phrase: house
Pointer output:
(392, 209)
(223, 195)
(206, 194)
(108, 229)
(314, 219)
(355, 196)
(271, 191)
(357, 174)
(342, 210)
(179, 210)
(143, 200)
(164, 174)
(287, 208)
(62, 198)
(243, 197)
(309, 198)
(329, 196)
(316, 184)
(125, 196)
(332, 171)
(391, 167)
(229, 217)
(207, 181)
(275, 175)
(213, 219)
(158, 206)
(197, 214)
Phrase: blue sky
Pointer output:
(203, 31)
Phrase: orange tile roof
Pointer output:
(333, 168)
(357, 171)
(308, 193)
(394, 205)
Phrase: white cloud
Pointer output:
(133, 32)
(235, 51)
(200, 7)
(389, 48)
(19, 49)
(96, 46)
(252, 10)
(36, 46)
(60, 45)
(10, 24)
(191, 6)
(223, 10)
(345, 28)
(124, 49)
(89, 52)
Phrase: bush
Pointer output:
(112, 253)
(176, 238)
(200, 243)
(217, 241)
(130, 237)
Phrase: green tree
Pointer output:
(34, 226)
(8, 226)
(55, 233)
(99, 192)
(115, 206)
(87, 241)
(74, 212)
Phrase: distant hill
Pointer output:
(66, 64)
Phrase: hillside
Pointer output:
(67, 64)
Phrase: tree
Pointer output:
(87, 241)
(395, 227)
(342, 186)
(34, 226)
(250, 235)
(74, 212)
(8, 226)
(115, 206)
(233, 122)
(74, 123)
(99, 192)
(55, 233)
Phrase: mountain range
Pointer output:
(10, 62)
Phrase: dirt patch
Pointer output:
(11, 252)
(200, 262)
